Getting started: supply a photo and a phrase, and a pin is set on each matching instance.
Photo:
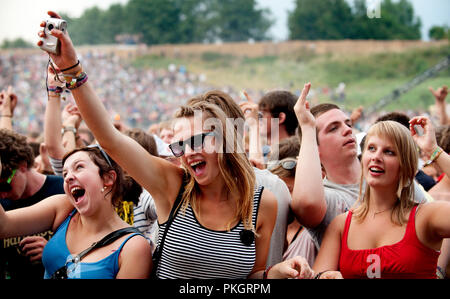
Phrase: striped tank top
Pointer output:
(191, 251)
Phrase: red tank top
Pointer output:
(406, 259)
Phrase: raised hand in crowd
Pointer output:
(439, 95)
(71, 120)
(52, 120)
(425, 138)
(356, 114)
(8, 102)
(251, 113)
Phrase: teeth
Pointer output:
(196, 163)
(376, 169)
(74, 189)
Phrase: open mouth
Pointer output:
(198, 167)
(77, 193)
(376, 170)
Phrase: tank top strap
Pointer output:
(411, 226)
(348, 220)
(125, 241)
(256, 203)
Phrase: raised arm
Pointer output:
(439, 97)
(427, 143)
(44, 215)
(250, 110)
(71, 119)
(161, 178)
(308, 199)
(8, 102)
(52, 120)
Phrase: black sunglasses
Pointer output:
(104, 154)
(195, 142)
(287, 163)
(6, 185)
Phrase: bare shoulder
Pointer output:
(432, 208)
(136, 246)
(338, 223)
(268, 207)
(268, 200)
(62, 207)
(135, 260)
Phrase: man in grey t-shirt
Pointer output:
(327, 145)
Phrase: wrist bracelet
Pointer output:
(320, 274)
(55, 89)
(266, 272)
(73, 66)
(70, 77)
(77, 81)
(435, 155)
(68, 129)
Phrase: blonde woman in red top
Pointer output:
(387, 235)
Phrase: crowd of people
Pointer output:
(286, 189)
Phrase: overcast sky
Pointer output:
(21, 18)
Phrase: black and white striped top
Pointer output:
(192, 251)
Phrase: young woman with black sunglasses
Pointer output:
(226, 220)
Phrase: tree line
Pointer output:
(208, 21)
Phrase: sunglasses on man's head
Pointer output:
(104, 154)
(6, 185)
(195, 142)
(287, 163)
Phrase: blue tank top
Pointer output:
(56, 254)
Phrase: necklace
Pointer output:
(376, 213)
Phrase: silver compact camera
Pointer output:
(49, 42)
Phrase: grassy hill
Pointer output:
(368, 77)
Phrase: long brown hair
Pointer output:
(234, 166)
(408, 158)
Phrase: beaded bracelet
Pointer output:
(70, 77)
(77, 81)
(435, 155)
(55, 89)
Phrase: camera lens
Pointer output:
(50, 27)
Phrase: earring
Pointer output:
(103, 189)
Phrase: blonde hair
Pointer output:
(234, 166)
(408, 156)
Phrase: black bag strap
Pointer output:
(108, 239)
(158, 250)
(61, 273)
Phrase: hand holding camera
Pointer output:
(51, 43)
(55, 40)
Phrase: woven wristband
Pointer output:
(70, 77)
(55, 89)
(77, 82)
(436, 153)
